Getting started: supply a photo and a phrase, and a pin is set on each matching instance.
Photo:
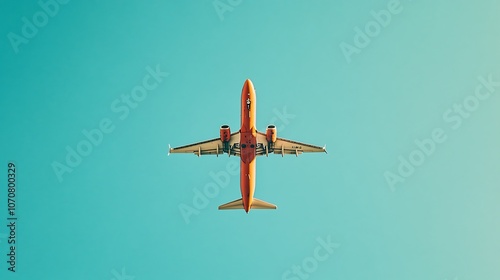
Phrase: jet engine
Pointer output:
(225, 136)
(225, 133)
(271, 133)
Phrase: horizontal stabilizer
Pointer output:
(237, 204)
(261, 204)
(256, 204)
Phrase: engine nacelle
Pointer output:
(225, 133)
(271, 133)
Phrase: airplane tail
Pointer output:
(256, 204)
(261, 204)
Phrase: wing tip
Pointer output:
(169, 150)
(324, 149)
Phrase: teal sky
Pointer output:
(377, 206)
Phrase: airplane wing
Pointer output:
(211, 147)
(285, 146)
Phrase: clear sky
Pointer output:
(406, 96)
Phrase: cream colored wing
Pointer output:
(285, 147)
(211, 147)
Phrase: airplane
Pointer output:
(247, 143)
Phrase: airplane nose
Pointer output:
(247, 86)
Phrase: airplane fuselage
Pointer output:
(248, 143)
